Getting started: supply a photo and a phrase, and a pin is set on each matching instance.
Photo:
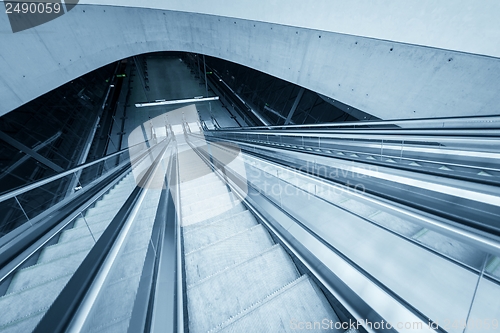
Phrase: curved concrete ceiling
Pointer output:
(343, 51)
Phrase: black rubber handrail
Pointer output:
(152, 294)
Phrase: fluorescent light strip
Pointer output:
(176, 101)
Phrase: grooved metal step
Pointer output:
(29, 302)
(217, 256)
(296, 302)
(194, 227)
(59, 250)
(202, 193)
(215, 214)
(47, 271)
(236, 275)
(192, 208)
(218, 230)
(216, 299)
(204, 181)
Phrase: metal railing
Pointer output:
(480, 122)
(348, 250)
(312, 173)
(467, 155)
(21, 206)
(71, 308)
(20, 245)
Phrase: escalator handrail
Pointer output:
(437, 152)
(490, 121)
(155, 305)
(26, 188)
(374, 133)
(60, 314)
(481, 239)
(19, 242)
(253, 115)
(181, 294)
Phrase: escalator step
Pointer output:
(29, 303)
(218, 230)
(202, 193)
(33, 289)
(233, 215)
(217, 256)
(190, 207)
(46, 271)
(218, 298)
(60, 250)
(208, 180)
(296, 302)
(82, 231)
(23, 324)
(214, 214)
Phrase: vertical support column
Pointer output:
(294, 106)
(205, 71)
(198, 65)
(206, 86)
(141, 76)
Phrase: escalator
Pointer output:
(449, 173)
(237, 278)
(202, 232)
(466, 153)
(400, 224)
(95, 271)
(33, 289)
(41, 256)
(434, 238)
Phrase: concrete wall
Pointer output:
(387, 79)
(460, 25)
